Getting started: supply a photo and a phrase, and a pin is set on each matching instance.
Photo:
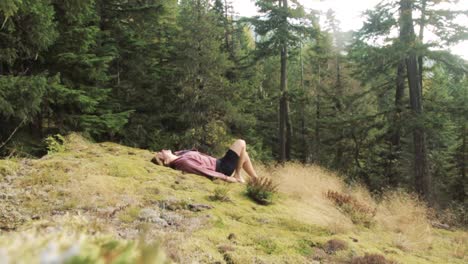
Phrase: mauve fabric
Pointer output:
(197, 163)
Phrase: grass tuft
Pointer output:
(407, 218)
(220, 194)
(359, 212)
(130, 214)
(460, 246)
(261, 190)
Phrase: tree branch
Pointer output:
(12, 134)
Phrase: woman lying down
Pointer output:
(227, 168)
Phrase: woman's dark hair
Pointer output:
(157, 161)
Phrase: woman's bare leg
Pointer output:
(248, 167)
(244, 162)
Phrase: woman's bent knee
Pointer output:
(241, 142)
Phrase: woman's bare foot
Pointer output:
(239, 178)
(231, 179)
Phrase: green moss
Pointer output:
(305, 247)
(97, 179)
(8, 167)
(119, 167)
(130, 214)
(219, 223)
(291, 224)
(236, 216)
(220, 194)
(267, 245)
(49, 172)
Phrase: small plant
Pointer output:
(130, 214)
(55, 144)
(359, 213)
(261, 190)
(334, 245)
(220, 194)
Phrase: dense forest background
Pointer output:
(384, 105)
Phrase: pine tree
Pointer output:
(405, 55)
(79, 63)
(142, 34)
(280, 35)
(207, 95)
(28, 30)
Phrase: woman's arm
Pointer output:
(180, 152)
(191, 166)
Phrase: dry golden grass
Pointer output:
(401, 222)
(407, 217)
(307, 185)
(399, 214)
(460, 246)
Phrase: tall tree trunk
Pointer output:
(422, 24)
(284, 107)
(408, 37)
(339, 96)
(461, 161)
(285, 124)
(395, 150)
(288, 128)
(305, 145)
(282, 131)
(317, 119)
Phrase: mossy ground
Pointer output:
(86, 203)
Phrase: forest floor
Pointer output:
(107, 203)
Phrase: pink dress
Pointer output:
(197, 163)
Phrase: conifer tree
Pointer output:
(280, 34)
(27, 30)
(78, 99)
(204, 91)
(142, 34)
(404, 54)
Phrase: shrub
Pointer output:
(334, 245)
(359, 213)
(220, 194)
(455, 215)
(261, 190)
(55, 144)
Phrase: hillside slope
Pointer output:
(108, 203)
